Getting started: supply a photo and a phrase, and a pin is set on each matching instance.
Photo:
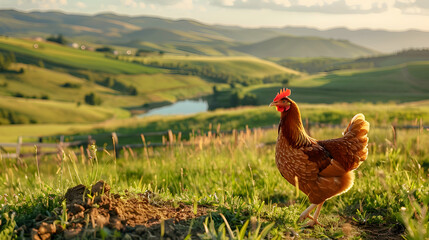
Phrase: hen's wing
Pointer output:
(350, 150)
(317, 154)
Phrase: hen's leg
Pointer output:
(306, 213)
(315, 216)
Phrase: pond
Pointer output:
(179, 108)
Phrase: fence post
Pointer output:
(18, 149)
(39, 149)
(90, 141)
(60, 144)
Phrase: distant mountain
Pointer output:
(191, 37)
(291, 46)
(381, 40)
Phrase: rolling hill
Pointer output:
(63, 76)
(381, 40)
(48, 111)
(30, 51)
(245, 66)
(400, 83)
(290, 46)
(158, 34)
(323, 64)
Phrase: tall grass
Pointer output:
(237, 177)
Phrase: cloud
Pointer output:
(179, 4)
(164, 2)
(43, 4)
(185, 4)
(133, 4)
(81, 5)
(418, 7)
(328, 6)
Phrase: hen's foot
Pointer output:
(312, 223)
(303, 217)
(306, 213)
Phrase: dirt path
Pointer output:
(93, 212)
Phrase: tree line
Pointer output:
(219, 76)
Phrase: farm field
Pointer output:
(249, 66)
(62, 56)
(401, 83)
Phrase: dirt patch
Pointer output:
(92, 212)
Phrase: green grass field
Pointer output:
(44, 111)
(67, 57)
(403, 83)
(381, 115)
(247, 66)
(236, 177)
(38, 82)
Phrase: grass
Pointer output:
(247, 66)
(44, 111)
(167, 87)
(240, 180)
(403, 83)
(37, 82)
(68, 57)
(381, 115)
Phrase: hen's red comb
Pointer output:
(282, 94)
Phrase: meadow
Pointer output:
(216, 177)
(233, 176)
(400, 83)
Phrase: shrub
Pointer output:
(92, 99)
(71, 85)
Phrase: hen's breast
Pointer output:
(294, 163)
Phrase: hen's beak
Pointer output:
(273, 104)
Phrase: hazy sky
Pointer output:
(374, 14)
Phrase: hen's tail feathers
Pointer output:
(356, 132)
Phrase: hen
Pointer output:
(323, 169)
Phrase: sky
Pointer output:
(396, 15)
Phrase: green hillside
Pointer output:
(171, 36)
(405, 56)
(289, 46)
(157, 35)
(36, 81)
(184, 48)
(29, 51)
(245, 66)
(49, 111)
(324, 64)
(403, 83)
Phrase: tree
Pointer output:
(235, 99)
(58, 39)
(6, 60)
(143, 52)
(105, 49)
(249, 99)
(41, 64)
(92, 99)
(132, 90)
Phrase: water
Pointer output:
(179, 108)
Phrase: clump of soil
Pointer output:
(133, 216)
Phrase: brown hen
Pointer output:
(323, 169)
